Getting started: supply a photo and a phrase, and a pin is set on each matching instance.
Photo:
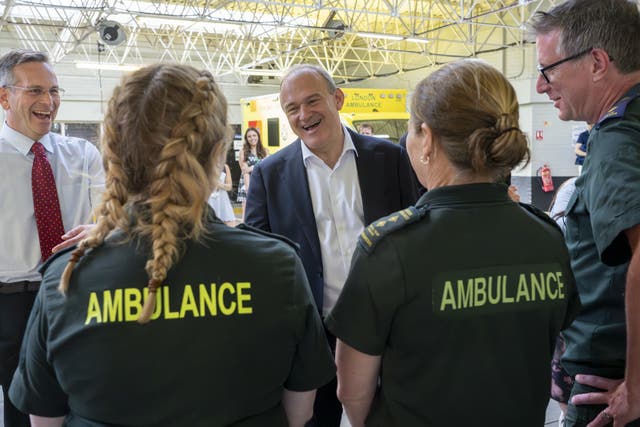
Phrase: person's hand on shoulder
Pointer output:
(73, 236)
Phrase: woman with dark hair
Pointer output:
(251, 153)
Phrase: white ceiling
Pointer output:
(247, 41)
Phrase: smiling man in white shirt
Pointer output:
(322, 190)
(30, 96)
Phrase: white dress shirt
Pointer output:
(337, 206)
(77, 169)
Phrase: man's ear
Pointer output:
(4, 98)
(339, 97)
(600, 63)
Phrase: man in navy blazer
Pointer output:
(279, 199)
(322, 190)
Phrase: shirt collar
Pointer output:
(347, 145)
(21, 142)
(467, 193)
(620, 106)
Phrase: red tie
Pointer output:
(45, 202)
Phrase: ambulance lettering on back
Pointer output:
(493, 290)
(125, 304)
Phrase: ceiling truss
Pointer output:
(245, 41)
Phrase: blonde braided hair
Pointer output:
(165, 130)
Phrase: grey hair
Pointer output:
(15, 57)
(303, 68)
(610, 25)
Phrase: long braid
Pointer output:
(165, 132)
(180, 186)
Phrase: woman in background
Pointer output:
(558, 205)
(443, 320)
(251, 153)
(219, 199)
(158, 318)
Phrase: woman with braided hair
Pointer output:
(154, 319)
(446, 318)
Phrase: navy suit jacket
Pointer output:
(279, 199)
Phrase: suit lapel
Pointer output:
(294, 180)
(370, 165)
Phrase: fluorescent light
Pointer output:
(259, 72)
(417, 40)
(379, 36)
(103, 66)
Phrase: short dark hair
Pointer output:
(15, 57)
(610, 25)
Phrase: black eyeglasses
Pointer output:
(543, 70)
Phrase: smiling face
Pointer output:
(252, 138)
(31, 115)
(312, 111)
(568, 85)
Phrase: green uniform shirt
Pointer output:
(234, 325)
(606, 202)
(463, 300)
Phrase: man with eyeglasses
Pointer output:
(589, 55)
(70, 168)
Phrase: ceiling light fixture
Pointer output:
(379, 36)
(105, 66)
(259, 72)
(417, 40)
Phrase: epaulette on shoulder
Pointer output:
(540, 214)
(372, 234)
(620, 107)
(284, 239)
